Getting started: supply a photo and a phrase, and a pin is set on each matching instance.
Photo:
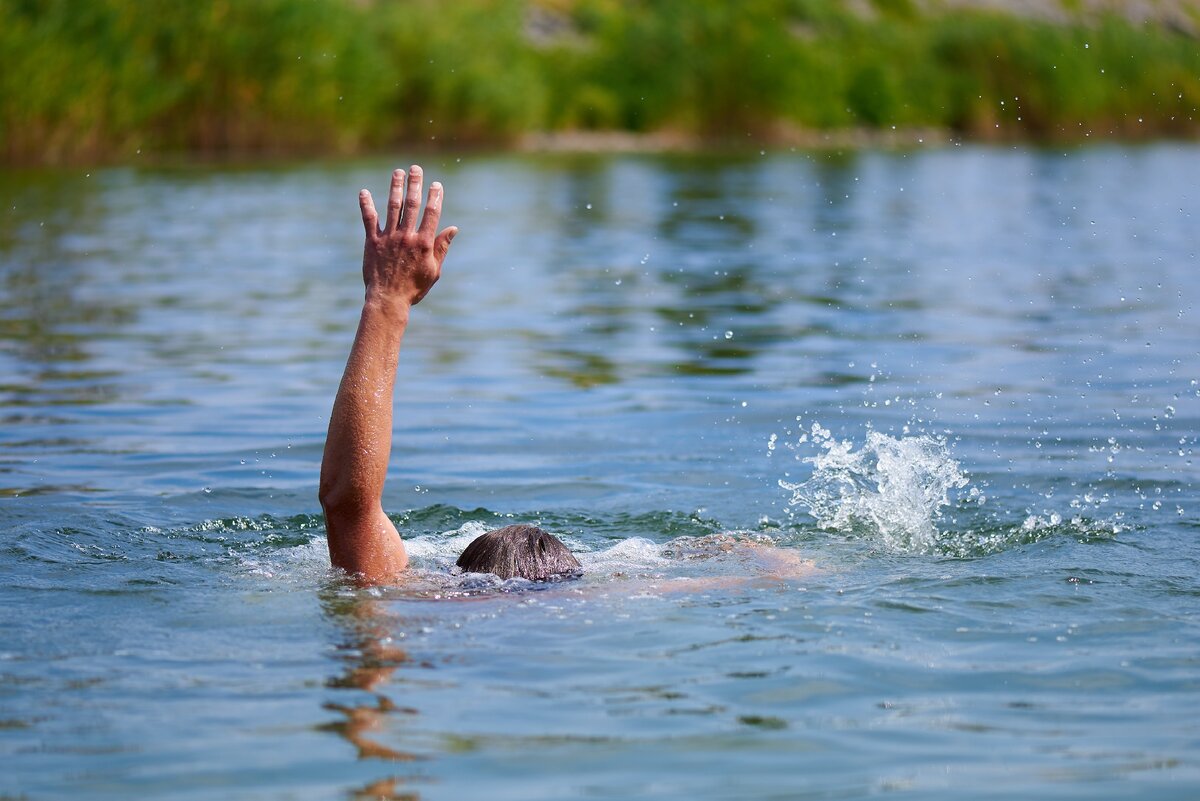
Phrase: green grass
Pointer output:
(105, 79)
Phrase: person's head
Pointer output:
(525, 551)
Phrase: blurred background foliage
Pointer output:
(109, 79)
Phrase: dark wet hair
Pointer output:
(520, 550)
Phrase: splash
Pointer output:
(893, 488)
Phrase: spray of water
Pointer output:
(893, 488)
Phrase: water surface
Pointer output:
(677, 364)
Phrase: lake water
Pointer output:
(963, 382)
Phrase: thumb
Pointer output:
(441, 245)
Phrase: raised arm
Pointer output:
(401, 263)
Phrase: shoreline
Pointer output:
(602, 143)
(675, 142)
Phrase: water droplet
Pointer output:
(729, 335)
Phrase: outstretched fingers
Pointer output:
(412, 202)
(404, 204)
(395, 195)
(433, 211)
(370, 217)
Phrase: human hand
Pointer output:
(403, 261)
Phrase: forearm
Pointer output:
(362, 540)
(359, 443)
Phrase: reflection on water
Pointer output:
(370, 658)
(48, 316)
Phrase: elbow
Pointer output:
(342, 497)
(338, 496)
(326, 493)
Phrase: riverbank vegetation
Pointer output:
(109, 79)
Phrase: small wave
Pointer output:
(305, 563)
(989, 535)
(440, 551)
(291, 550)
(632, 556)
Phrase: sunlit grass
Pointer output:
(109, 78)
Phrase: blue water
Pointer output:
(881, 465)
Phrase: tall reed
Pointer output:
(108, 78)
